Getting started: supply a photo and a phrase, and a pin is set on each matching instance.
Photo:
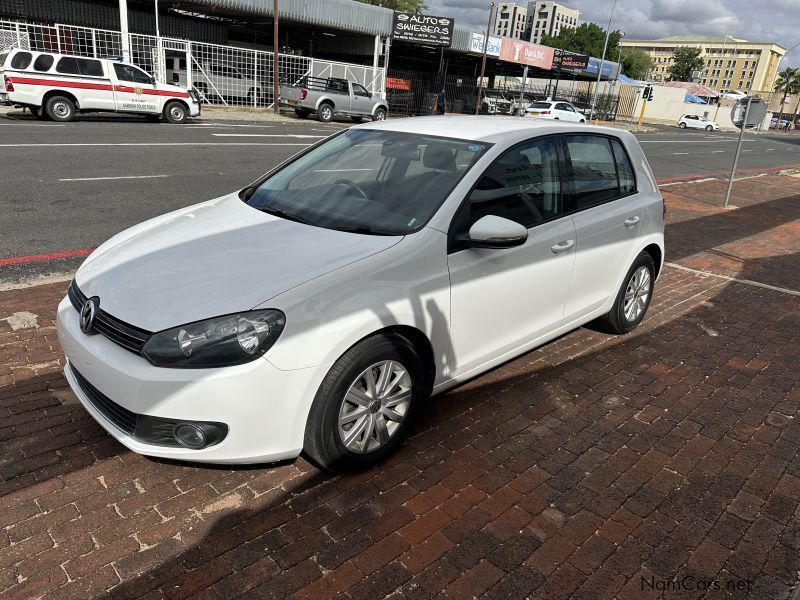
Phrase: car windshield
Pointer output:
(540, 105)
(368, 181)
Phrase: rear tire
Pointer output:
(633, 298)
(380, 412)
(302, 114)
(175, 113)
(60, 109)
(582, 121)
(325, 113)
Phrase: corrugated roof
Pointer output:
(694, 89)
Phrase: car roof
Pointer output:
(485, 128)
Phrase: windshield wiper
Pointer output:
(364, 229)
(288, 216)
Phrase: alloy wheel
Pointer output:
(637, 293)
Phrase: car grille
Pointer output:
(127, 336)
(119, 416)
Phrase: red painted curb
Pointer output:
(40, 257)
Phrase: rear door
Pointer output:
(607, 213)
(134, 90)
(88, 80)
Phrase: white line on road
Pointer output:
(729, 278)
(769, 149)
(120, 177)
(156, 144)
(675, 153)
(33, 125)
(206, 125)
(271, 135)
(717, 151)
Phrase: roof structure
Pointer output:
(695, 89)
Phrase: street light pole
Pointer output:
(602, 59)
(483, 62)
(123, 28)
(275, 62)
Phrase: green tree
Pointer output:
(788, 82)
(635, 63)
(411, 6)
(587, 38)
(686, 60)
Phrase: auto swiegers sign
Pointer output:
(422, 29)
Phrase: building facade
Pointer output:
(548, 18)
(729, 63)
(510, 20)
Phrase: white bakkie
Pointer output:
(58, 86)
(316, 309)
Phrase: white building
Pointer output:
(545, 17)
(510, 20)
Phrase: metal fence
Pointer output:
(223, 75)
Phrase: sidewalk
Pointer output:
(595, 467)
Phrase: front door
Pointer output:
(361, 103)
(503, 299)
(134, 90)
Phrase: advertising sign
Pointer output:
(571, 62)
(609, 68)
(525, 53)
(492, 49)
(422, 29)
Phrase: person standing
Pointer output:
(439, 107)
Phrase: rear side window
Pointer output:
(21, 60)
(43, 62)
(601, 170)
(68, 65)
(79, 66)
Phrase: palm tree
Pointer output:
(787, 81)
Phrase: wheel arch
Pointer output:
(325, 100)
(59, 92)
(656, 253)
(179, 101)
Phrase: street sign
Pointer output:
(755, 116)
(422, 29)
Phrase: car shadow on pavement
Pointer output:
(709, 393)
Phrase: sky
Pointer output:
(753, 20)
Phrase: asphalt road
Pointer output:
(68, 187)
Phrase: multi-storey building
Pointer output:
(729, 63)
(546, 17)
(510, 20)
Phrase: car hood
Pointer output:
(212, 259)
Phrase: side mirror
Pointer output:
(495, 232)
(152, 80)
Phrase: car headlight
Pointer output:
(218, 342)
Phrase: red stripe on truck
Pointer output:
(96, 86)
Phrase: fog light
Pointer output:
(190, 435)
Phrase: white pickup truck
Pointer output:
(329, 97)
(58, 86)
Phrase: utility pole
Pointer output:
(483, 62)
(123, 27)
(160, 72)
(275, 61)
(602, 59)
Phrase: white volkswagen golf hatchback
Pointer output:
(316, 309)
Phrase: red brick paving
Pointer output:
(596, 467)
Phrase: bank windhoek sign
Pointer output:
(525, 53)
(422, 29)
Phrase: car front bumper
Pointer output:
(265, 409)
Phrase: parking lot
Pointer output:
(659, 464)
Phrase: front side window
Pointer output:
(368, 181)
(21, 60)
(523, 185)
(131, 74)
(359, 90)
(596, 172)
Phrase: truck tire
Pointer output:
(60, 108)
(325, 112)
(380, 115)
(176, 112)
(303, 114)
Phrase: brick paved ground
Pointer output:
(591, 468)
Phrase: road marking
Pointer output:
(33, 125)
(206, 125)
(271, 135)
(6, 286)
(691, 141)
(154, 144)
(729, 278)
(676, 153)
(339, 170)
(15, 260)
(769, 149)
(120, 177)
(717, 151)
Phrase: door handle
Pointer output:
(562, 246)
(630, 222)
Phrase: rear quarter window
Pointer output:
(21, 60)
(91, 67)
(601, 170)
(43, 62)
(68, 65)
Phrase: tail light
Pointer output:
(175, 78)
(545, 112)
(9, 85)
(303, 93)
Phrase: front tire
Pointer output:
(176, 113)
(633, 298)
(682, 125)
(380, 115)
(60, 109)
(365, 405)
(709, 128)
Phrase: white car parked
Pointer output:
(697, 122)
(558, 111)
(316, 309)
(216, 81)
